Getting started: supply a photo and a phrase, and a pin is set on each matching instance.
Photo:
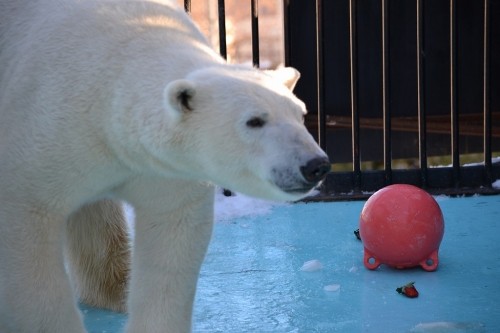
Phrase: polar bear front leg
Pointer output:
(173, 227)
(98, 253)
(35, 293)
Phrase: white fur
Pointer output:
(110, 101)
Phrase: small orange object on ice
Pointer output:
(408, 290)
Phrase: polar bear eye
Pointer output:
(256, 122)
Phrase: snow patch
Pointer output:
(448, 327)
(353, 269)
(494, 160)
(332, 287)
(311, 266)
(225, 208)
(441, 197)
(238, 205)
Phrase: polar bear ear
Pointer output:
(178, 96)
(288, 75)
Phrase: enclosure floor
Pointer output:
(251, 279)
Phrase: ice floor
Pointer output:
(251, 279)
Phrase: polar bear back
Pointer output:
(72, 61)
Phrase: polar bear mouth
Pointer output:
(294, 187)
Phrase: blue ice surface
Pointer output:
(251, 279)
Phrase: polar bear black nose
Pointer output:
(316, 169)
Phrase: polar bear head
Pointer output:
(243, 129)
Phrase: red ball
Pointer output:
(401, 226)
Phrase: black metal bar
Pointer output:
(353, 59)
(222, 28)
(455, 151)
(486, 95)
(319, 75)
(422, 129)
(331, 32)
(187, 6)
(386, 99)
(255, 33)
(287, 33)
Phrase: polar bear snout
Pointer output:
(315, 170)
(298, 181)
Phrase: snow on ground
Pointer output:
(494, 160)
(225, 208)
(238, 205)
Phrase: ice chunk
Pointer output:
(496, 184)
(332, 287)
(311, 266)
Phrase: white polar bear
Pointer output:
(109, 101)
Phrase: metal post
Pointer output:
(255, 33)
(455, 151)
(319, 75)
(222, 29)
(486, 96)
(386, 88)
(422, 129)
(353, 67)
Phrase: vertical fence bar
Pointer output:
(353, 67)
(422, 129)
(286, 36)
(319, 75)
(486, 95)
(187, 6)
(455, 151)
(222, 28)
(255, 33)
(386, 88)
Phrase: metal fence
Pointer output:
(397, 81)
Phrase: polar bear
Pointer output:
(104, 102)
